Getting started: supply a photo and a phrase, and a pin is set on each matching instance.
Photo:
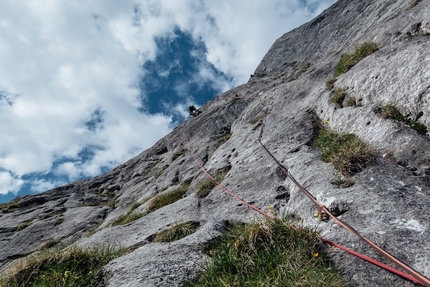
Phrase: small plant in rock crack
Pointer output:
(178, 154)
(338, 97)
(413, 4)
(167, 198)
(343, 182)
(330, 83)
(347, 61)
(391, 112)
(205, 186)
(130, 215)
(346, 152)
(176, 232)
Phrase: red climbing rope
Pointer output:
(421, 279)
(361, 256)
(220, 185)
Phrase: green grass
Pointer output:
(347, 61)
(329, 84)
(58, 221)
(346, 152)
(130, 215)
(391, 112)
(350, 102)
(73, 266)
(305, 68)
(50, 243)
(343, 182)
(21, 226)
(413, 4)
(205, 186)
(150, 167)
(178, 154)
(257, 118)
(268, 253)
(338, 97)
(9, 207)
(167, 198)
(160, 172)
(222, 140)
(176, 232)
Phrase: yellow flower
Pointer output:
(316, 255)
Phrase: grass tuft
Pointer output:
(206, 185)
(305, 68)
(347, 61)
(343, 182)
(9, 207)
(391, 112)
(130, 215)
(150, 167)
(167, 198)
(338, 97)
(21, 226)
(58, 221)
(329, 84)
(413, 4)
(50, 243)
(73, 266)
(257, 118)
(222, 140)
(346, 152)
(178, 154)
(160, 172)
(268, 253)
(176, 232)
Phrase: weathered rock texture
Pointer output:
(388, 203)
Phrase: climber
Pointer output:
(194, 111)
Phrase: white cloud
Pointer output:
(63, 60)
(9, 183)
(40, 185)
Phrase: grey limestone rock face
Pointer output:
(388, 202)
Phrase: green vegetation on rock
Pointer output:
(178, 154)
(346, 152)
(391, 112)
(205, 186)
(167, 198)
(223, 140)
(160, 172)
(338, 97)
(74, 266)
(176, 232)
(21, 226)
(413, 4)
(130, 215)
(343, 182)
(347, 61)
(268, 253)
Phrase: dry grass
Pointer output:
(268, 253)
(167, 198)
(176, 232)
(391, 112)
(347, 61)
(206, 185)
(339, 96)
(346, 152)
(178, 154)
(73, 266)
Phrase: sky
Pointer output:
(87, 85)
